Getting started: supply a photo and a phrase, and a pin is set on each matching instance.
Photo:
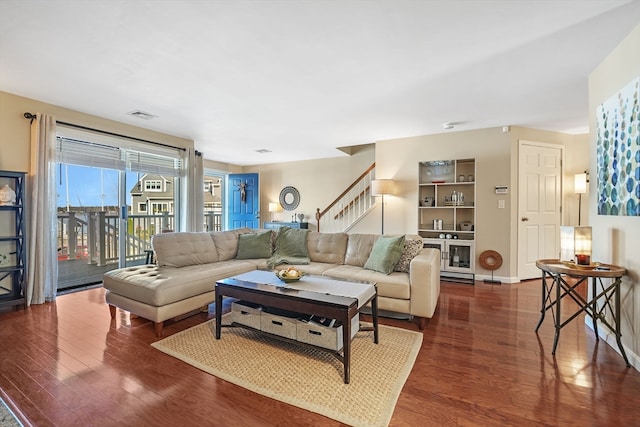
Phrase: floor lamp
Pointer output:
(580, 188)
(380, 187)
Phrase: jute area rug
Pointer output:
(7, 417)
(303, 376)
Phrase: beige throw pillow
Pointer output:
(411, 249)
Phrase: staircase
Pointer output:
(350, 206)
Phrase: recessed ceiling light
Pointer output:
(141, 115)
(263, 151)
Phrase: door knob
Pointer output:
(524, 218)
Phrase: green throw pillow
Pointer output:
(291, 247)
(291, 242)
(254, 245)
(385, 254)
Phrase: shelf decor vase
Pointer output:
(7, 196)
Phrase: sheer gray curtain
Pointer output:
(193, 191)
(42, 260)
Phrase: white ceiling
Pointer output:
(304, 77)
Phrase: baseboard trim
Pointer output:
(507, 280)
(609, 337)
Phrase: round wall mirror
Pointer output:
(289, 198)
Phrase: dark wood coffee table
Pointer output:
(341, 308)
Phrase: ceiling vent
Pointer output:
(141, 115)
(263, 151)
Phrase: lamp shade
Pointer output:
(575, 244)
(580, 183)
(273, 207)
(382, 186)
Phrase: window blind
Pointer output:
(84, 153)
(166, 162)
(152, 163)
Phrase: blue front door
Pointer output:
(242, 203)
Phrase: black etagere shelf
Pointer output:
(13, 255)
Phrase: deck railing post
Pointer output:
(72, 235)
(165, 222)
(102, 247)
(92, 246)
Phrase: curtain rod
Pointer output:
(32, 117)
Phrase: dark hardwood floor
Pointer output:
(481, 363)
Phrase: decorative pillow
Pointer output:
(411, 249)
(291, 247)
(385, 254)
(226, 242)
(292, 242)
(254, 245)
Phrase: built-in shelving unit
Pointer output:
(12, 239)
(447, 214)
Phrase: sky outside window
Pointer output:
(83, 186)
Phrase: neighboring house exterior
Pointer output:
(152, 195)
(212, 194)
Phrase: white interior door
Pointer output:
(539, 205)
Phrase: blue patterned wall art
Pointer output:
(618, 152)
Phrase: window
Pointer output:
(160, 207)
(153, 185)
(213, 200)
(114, 181)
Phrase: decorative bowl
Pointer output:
(571, 264)
(290, 275)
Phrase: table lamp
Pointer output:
(273, 207)
(575, 244)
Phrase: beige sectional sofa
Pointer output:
(189, 263)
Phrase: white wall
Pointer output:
(318, 181)
(496, 155)
(576, 160)
(15, 129)
(615, 238)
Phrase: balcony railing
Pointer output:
(94, 235)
